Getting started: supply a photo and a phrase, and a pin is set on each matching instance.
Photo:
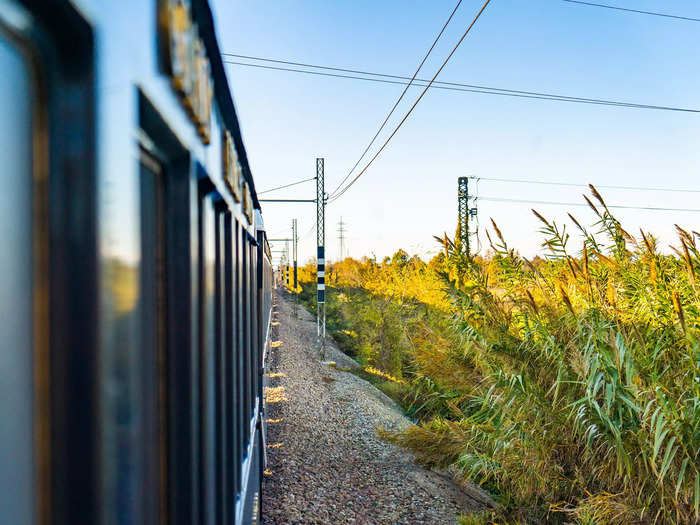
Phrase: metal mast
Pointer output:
(463, 211)
(294, 244)
(286, 266)
(341, 237)
(320, 253)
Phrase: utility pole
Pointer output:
(295, 240)
(320, 254)
(281, 254)
(341, 238)
(464, 212)
(320, 201)
(286, 248)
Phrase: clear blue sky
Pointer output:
(409, 193)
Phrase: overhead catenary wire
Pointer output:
(286, 185)
(462, 87)
(308, 233)
(403, 93)
(614, 206)
(408, 113)
(629, 10)
(579, 185)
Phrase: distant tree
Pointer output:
(399, 258)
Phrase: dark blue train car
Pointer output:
(135, 275)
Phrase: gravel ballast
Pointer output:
(326, 462)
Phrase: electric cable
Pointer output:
(616, 8)
(573, 184)
(618, 206)
(286, 186)
(408, 113)
(308, 233)
(403, 93)
(470, 88)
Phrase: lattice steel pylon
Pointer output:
(463, 211)
(320, 253)
(341, 238)
(467, 217)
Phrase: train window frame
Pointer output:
(222, 216)
(238, 432)
(228, 367)
(58, 46)
(208, 425)
(240, 356)
(244, 349)
(177, 366)
(32, 380)
(154, 335)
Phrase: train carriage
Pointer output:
(136, 279)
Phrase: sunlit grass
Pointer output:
(275, 394)
(569, 386)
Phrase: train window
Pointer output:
(168, 365)
(207, 257)
(47, 292)
(245, 350)
(223, 333)
(154, 337)
(228, 390)
(237, 357)
(241, 352)
(17, 344)
(253, 325)
(252, 370)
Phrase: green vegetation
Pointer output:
(568, 386)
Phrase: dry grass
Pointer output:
(569, 386)
(275, 394)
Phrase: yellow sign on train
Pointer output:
(186, 61)
(231, 167)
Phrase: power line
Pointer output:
(286, 185)
(308, 233)
(636, 188)
(616, 8)
(464, 35)
(456, 86)
(405, 89)
(527, 201)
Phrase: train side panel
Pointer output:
(136, 277)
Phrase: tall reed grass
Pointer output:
(569, 386)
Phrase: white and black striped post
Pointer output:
(320, 252)
(295, 240)
(287, 276)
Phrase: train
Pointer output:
(136, 281)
